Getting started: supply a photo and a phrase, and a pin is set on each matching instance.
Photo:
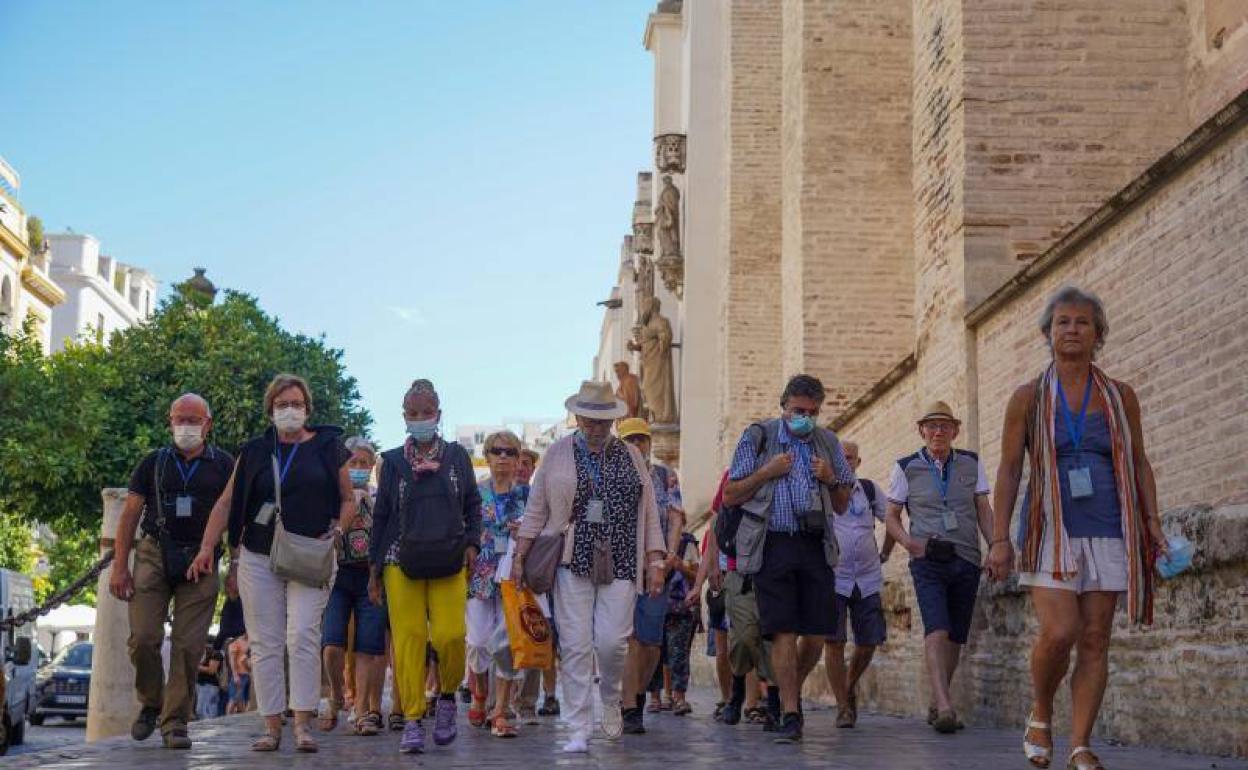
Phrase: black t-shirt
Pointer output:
(232, 624)
(202, 480)
(310, 491)
(210, 679)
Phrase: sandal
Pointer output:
(476, 713)
(666, 705)
(501, 728)
(1037, 755)
(267, 742)
(369, 724)
(654, 706)
(681, 708)
(304, 741)
(756, 715)
(1094, 764)
(327, 720)
(396, 723)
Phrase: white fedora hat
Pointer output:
(596, 400)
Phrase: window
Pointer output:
(99, 329)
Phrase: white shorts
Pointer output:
(1101, 563)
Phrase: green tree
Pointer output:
(34, 234)
(79, 420)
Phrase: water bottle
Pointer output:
(1180, 558)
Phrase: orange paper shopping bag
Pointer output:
(528, 630)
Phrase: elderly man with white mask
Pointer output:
(172, 492)
(594, 493)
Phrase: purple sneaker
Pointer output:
(413, 741)
(444, 730)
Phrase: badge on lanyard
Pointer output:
(594, 511)
(1080, 476)
(265, 514)
(182, 507)
(500, 543)
(950, 519)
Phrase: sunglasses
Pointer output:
(500, 451)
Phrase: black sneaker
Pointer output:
(144, 724)
(550, 707)
(633, 721)
(790, 730)
(732, 712)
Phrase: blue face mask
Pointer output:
(423, 430)
(801, 424)
(359, 476)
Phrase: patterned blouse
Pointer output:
(620, 491)
(497, 511)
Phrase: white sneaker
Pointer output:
(612, 721)
(577, 744)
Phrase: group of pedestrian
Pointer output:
(343, 578)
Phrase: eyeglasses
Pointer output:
(939, 426)
(502, 451)
(289, 405)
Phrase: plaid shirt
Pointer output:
(792, 493)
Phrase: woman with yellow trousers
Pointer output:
(426, 531)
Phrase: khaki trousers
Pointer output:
(747, 651)
(193, 605)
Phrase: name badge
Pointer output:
(816, 500)
(500, 543)
(265, 515)
(593, 512)
(182, 508)
(1080, 482)
(950, 520)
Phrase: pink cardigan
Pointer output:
(554, 488)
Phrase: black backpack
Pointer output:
(729, 518)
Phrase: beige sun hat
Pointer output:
(938, 410)
(597, 401)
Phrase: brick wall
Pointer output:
(848, 277)
(751, 357)
(1217, 56)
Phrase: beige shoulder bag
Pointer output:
(303, 559)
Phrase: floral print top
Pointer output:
(497, 511)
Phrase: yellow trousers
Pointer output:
(425, 612)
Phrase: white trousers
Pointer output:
(487, 634)
(594, 621)
(283, 619)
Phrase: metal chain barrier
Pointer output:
(60, 597)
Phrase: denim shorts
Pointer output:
(946, 595)
(866, 614)
(350, 597)
(649, 616)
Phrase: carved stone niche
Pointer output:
(643, 237)
(669, 153)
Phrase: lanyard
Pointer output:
(941, 476)
(290, 458)
(1074, 427)
(184, 473)
(595, 470)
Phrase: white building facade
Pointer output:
(102, 295)
(27, 290)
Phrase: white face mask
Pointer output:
(289, 419)
(188, 438)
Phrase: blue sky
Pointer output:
(438, 187)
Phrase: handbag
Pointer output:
(425, 554)
(602, 570)
(303, 559)
(542, 562)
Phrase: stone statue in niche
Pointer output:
(643, 237)
(669, 153)
(629, 390)
(667, 220)
(653, 338)
(645, 278)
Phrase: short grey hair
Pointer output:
(1073, 295)
(359, 442)
(194, 398)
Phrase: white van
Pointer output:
(17, 688)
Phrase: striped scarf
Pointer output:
(1044, 538)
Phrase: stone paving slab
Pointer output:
(694, 741)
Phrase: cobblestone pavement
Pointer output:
(55, 733)
(695, 741)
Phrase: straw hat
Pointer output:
(633, 426)
(938, 410)
(597, 401)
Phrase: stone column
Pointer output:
(112, 704)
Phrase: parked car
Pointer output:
(62, 685)
(17, 679)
